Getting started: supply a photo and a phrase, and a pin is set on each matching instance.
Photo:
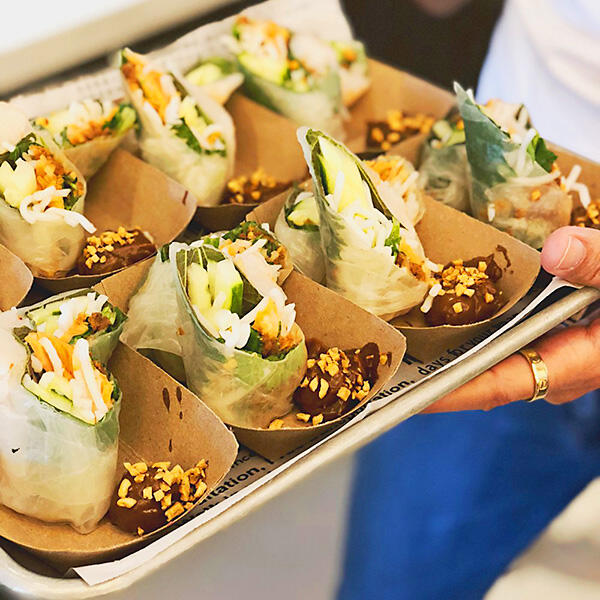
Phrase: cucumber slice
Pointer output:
(267, 68)
(49, 396)
(305, 213)
(442, 129)
(228, 281)
(334, 159)
(198, 289)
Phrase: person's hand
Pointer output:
(572, 355)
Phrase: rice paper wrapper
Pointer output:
(90, 156)
(204, 175)
(153, 319)
(443, 174)
(304, 248)
(48, 248)
(320, 107)
(514, 211)
(102, 344)
(52, 466)
(221, 89)
(243, 388)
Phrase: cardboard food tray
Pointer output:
(160, 420)
(322, 315)
(264, 139)
(446, 235)
(131, 193)
(15, 279)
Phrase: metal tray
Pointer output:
(20, 573)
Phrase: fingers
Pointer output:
(571, 355)
(573, 253)
(508, 381)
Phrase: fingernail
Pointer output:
(565, 254)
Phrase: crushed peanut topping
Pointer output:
(126, 502)
(317, 419)
(258, 187)
(457, 307)
(169, 493)
(105, 243)
(587, 217)
(397, 126)
(276, 424)
(304, 417)
(123, 488)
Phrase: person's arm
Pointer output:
(572, 355)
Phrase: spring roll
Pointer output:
(42, 198)
(444, 168)
(59, 426)
(354, 70)
(514, 179)
(296, 75)
(244, 354)
(372, 257)
(80, 314)
(297, 227)
(88, 131)
(217, 77)
(188, 136)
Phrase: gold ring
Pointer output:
(540, 373)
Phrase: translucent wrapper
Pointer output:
(103, 343)
(320, 107)
(303, 245)
(204, 175)
(52, 466)
(354, 79)
(512, 185)
(90, 156)
(152, 324)
(243, 388)
(49, 248)
(443, 174)
(364, 275)
(515, 212)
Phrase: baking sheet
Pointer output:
(252, 472)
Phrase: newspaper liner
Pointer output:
(16, 279)
(160, 420)
(446, 235)
(322, 315)
(131, 193)
(264, 139)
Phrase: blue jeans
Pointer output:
(442, 503)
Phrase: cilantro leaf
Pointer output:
(539, 152)
(393, 240)
(21, 148)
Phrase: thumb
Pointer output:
(573, 253)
